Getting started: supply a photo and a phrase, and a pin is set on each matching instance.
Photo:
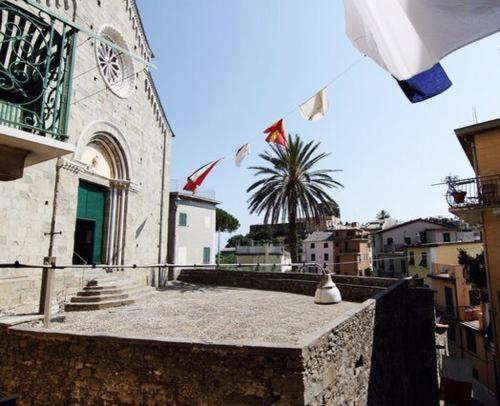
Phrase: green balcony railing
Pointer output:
(36, 64)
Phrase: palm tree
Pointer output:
(291, 187)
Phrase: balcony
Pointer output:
(36, 63)
(469, 197)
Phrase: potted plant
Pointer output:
(458, 195)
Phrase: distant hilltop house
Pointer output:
(264, 254)
(330, 217)
(346, 250)
(191, 230)
(389, 244)
(105, 200)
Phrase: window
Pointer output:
(313, 245)
(403, 266)
(326, 256)
(423, 261)
(116, 68)
(390, 241)
(325, 245)
(448, 299)
(452, 336)
(391, 265)
(446, 237)
(411, 261)
(408, 240)
(313, 257)
(470, 339)
(423, 237)
(474, 296)
(206, 255)
(182, 219)
(346, 246)
(337, 244)
(475, 374)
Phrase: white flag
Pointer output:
(241, 153)
(408, 37)
(315, 108)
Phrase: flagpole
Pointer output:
(218, 248)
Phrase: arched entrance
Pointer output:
(102, 201)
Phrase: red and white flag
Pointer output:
(198, 176)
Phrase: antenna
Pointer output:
(474, 115)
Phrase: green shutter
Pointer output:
(183, 219)
(206, 255)
(91, 204)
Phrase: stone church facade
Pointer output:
(108, 202)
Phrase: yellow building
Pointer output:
(458, 305)
(477, 201)
(423, 258)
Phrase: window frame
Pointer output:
(182, 216)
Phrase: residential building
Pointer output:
(423, 258)
(389, 244)
(379, 224)
(477, 201)
(105, 201)
(345, 250)
(191, 230)
(266, 254)
(459, 305)
(318, 247)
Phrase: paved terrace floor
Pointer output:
(211, 314)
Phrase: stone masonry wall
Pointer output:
(26, 204)
(64, 369)
(352, 288)
(381, 352)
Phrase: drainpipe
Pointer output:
(45, 272)
(162, 197)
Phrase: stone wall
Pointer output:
(26, 205)
(382, 352)
(352, 288)
(73, 369)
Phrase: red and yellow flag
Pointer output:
(276, 134)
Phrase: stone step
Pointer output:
(122, 285)
(80, 307)
(110, 291)
(98, 298)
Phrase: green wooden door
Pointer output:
(91, 204)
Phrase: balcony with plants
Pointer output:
(36, 63)
(468, 197)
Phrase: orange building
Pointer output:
(477, 201)
(352, 252)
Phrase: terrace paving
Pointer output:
(211, 314)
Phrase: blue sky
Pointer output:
(229, 68)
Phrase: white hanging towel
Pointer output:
(407, 37)
(241, 153)
(315, 108)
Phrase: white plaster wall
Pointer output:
(199, 232)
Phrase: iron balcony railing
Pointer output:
(482, 191)
(36, 63)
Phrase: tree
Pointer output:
(225, 222)
(291, 187)
(474, 268)
(383, 214)
(238, 239)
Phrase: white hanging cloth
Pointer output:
(241, 153)
(315, 108)
(407, 37)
